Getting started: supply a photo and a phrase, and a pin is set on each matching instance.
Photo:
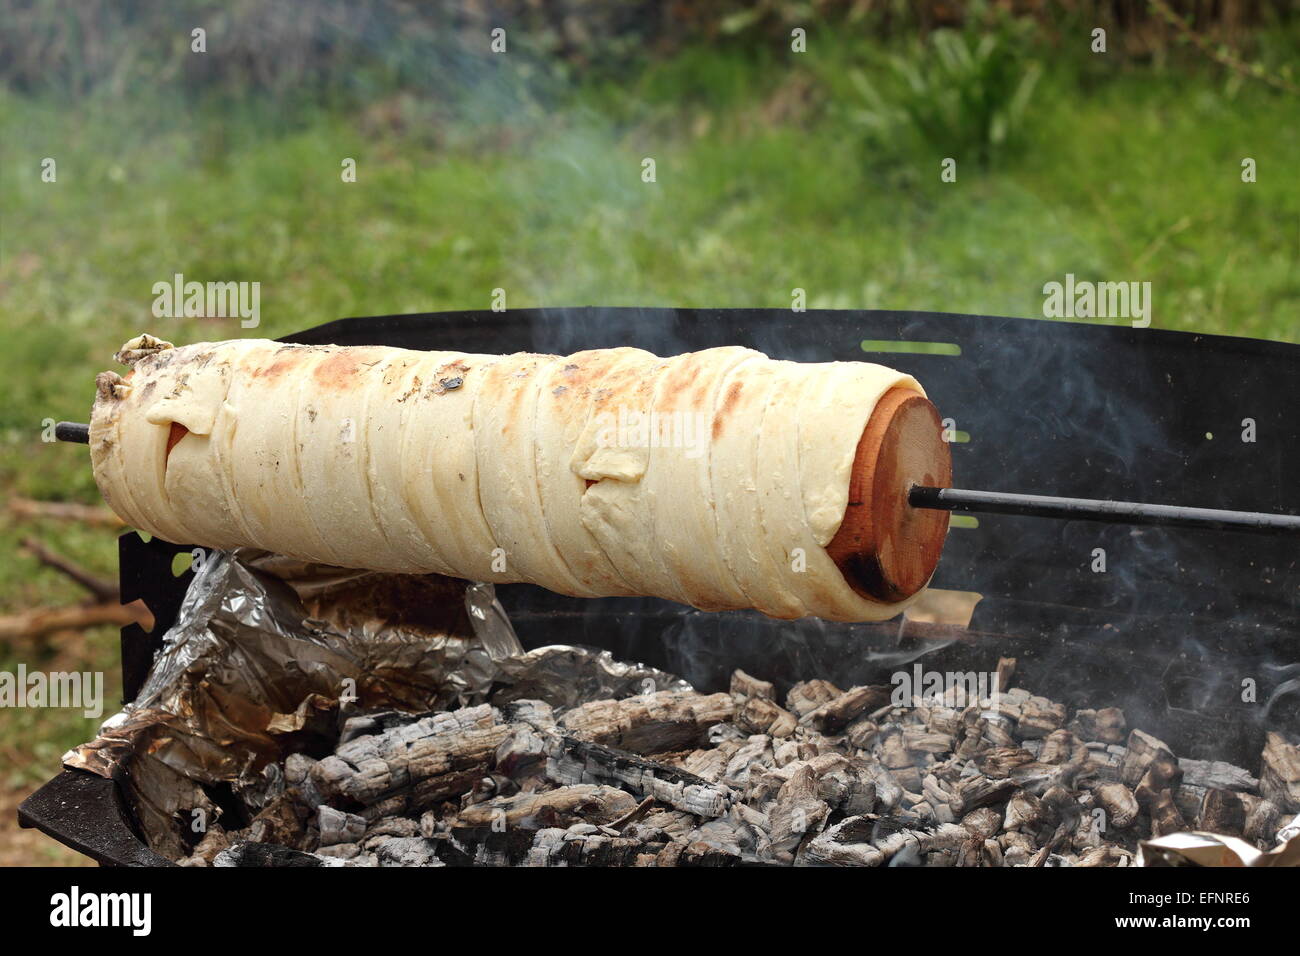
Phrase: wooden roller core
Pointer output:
(885, 548)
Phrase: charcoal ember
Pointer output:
(849, 789)
(861, 734)
(984, 823)
(837, 713)
(981, 791)
(1106, 725)
(1189, 799)
(847, 843)
(798, 810)
(522, 755)
(1006, 673)
(656, 723)
(1039, 717)
(1263, 819)
(571, 760)
(1165, 818)
(675, 823)
(1161, 774)
(753, 758)
(728, 836)
(745, 687)
(298, 783)
(1024, 812)
(268, 855)
(340, 851)
(1119, 804)
(791, 751)
(1142, 750)
(942, 720)
(1105, 856)
(1223, 811)
(709, 763)
(1279, 775)
(336, 826)
(999, 762)
(387, 828)
(408, 851)
(537, 714)
(1217, 775)
(918, 740)
(807, 695)
(1061, 746)
(563, 806)
(761, 715)
(904, 844)
(415, 763)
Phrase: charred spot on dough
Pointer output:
(338, 370)
(729, 401)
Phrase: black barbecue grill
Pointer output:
(1169, 631)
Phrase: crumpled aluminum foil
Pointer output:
(268, 656)
(1198, 848)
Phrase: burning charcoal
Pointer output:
(650, 724)
(408, 851)
(845, 844)
(916, 740)
(798, 811)
(896, 841)
(806, 696)
(984, 822)
(1039, 717)
(746, 688)
(427, 760)
(1216, 774)
(724, 835)
(1223, 812)
(1161, 774)
(1165, 817)
(270, 854)
(537, 714)
(861, 734)
(574, 761)
(836, 714)
(1061, 746)
(754, 754)
(563, 806)
(980, 791)
(1024, 811)
(709, 764)
(387, 828)
(850, 789)
(1006, 673)
(339, 827)
(1188, 799)
(522, 755)
(1000, 761)
(793, 750)
(1010, 702)
(1106, 725)
(1105, 856)
(1279, 775)
(1142, 749)
(1262, 821)
(1119, 803)
(1017, 848)
(759, 715)
(945, 720)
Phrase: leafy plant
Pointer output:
(964, 93)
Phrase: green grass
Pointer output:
(1138, 178)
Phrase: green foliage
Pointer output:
(963, 94)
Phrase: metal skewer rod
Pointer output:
(1089, 509)
(72, 431)
(1038, 506)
